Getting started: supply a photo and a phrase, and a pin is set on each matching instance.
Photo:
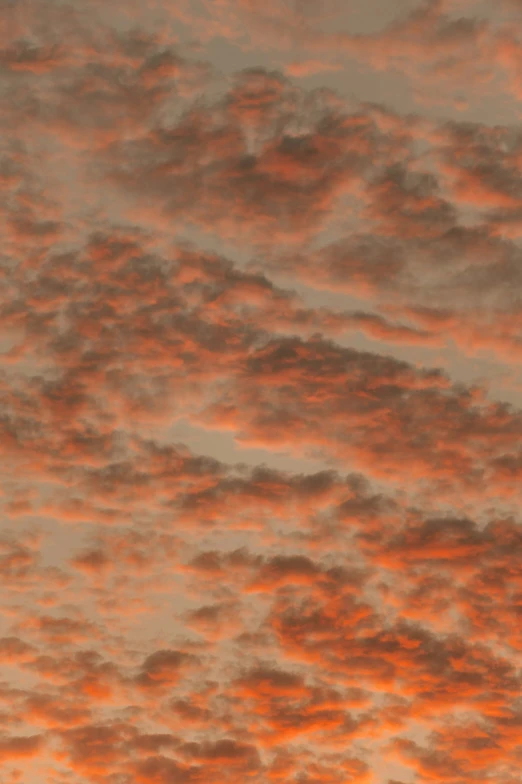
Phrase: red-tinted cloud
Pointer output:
(203, 236)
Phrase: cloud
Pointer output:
(235, 247)
(20, 747)
(161, 669)
(377, 407)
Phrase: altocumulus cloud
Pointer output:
(254, 527)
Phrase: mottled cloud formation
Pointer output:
(260, 488)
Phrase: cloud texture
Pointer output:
(261, 409)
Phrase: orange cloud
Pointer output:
(209, 246)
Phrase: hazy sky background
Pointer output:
(261, 392)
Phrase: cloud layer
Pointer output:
(260, 392)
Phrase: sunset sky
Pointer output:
(261, 392)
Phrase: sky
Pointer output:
(260, 392)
